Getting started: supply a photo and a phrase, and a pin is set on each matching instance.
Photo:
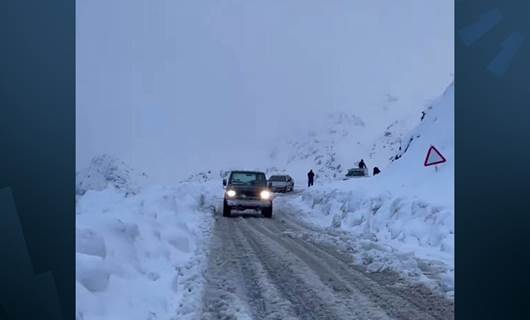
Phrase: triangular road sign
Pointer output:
(433, 157)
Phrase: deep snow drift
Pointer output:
(406, 212)
(139, 256)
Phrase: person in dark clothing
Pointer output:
(376, 171)
(362, 165)
(310, 177)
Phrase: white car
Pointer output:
(281, 183)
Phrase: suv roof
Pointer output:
(246, 171)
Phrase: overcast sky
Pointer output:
(167, 85)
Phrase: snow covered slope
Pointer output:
(391, 141)
(337, 143)
(325, 148)
(437, 129)
(404, 216)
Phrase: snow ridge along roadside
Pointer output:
(142, 255)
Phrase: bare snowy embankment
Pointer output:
(141, 256)
(402, 219)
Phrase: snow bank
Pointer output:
(141, 256)
(402, 219)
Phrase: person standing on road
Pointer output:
(310, 177)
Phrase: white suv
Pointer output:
(281, 183)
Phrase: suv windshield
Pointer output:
(277, 178)
(248, 178)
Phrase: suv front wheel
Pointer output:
(267, 212)
(227, 211)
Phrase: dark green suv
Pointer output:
(247, 190)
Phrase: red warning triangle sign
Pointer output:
(433, 157)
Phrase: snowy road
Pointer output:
(261, 269)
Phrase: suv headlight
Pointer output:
(265, 194)
(231, 193)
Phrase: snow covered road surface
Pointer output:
(263, 269)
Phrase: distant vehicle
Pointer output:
(281, 183)
(247, 190)
(357, 172)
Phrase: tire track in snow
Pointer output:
(365, 293)
(420, 296)
(238, 287)
(258, 271)
(331, 299)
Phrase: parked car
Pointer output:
(247, 190)
(357, 172)
(281, 183)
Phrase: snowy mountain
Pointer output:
(326, 149)
(391, 142)
(104, 171)
(338, 142)
(330, 146)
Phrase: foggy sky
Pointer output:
(171, 86)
